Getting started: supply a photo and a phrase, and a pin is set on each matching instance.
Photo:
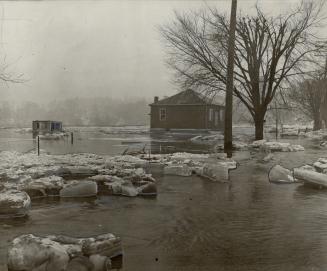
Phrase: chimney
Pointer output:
(156, 99)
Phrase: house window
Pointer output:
(210, 114)
(216, 118)
(221, 115)
(162, 114)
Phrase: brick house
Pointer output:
(187, 110)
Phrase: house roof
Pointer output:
(46, 121)
(190, 97)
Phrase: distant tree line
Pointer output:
(99, 111)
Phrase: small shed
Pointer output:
(41, 127)
(187, 110)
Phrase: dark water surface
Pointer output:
(196, 224)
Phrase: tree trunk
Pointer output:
(317, 123)
(259, 130)
(259, 121)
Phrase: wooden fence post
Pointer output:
(72, 138)
(38, 145)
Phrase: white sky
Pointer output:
(93, 48)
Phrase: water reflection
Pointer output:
(8, 222)
(307, 192)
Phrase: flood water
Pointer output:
(196, 224)
(102, 140)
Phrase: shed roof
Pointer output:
(190, 97)
(47, 121)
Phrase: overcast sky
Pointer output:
(93, 48)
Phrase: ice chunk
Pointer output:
(307, 167)
(279, 174)
(311, 178)
(186, 155)
(29, 252)
(216, 172)
(275, 146)
(100, 263)
(321, 165)
(290, 131)
(127, 189)
(147, 189)
(14, 203)
(207, 139)
(80, 263)
(268, 158)
(178, 170)
(258, 143)
(47, 186)
(229, 163)
(295, 148)
(77, 189)
(319, 134)
(237, 145)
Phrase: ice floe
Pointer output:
(178, 170)
(78, 189)
(14, 203)
(314, 175)
(211, 166)
(23, 130)
(71, 175)
(311, 178)
(289, 130)
(29, 252)
(275, 146)
(207, 139)
(318, 135)
(279, 174)
(85, 175)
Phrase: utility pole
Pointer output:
(228, 129)
(276, 120)
(324, 99)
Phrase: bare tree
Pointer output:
(7, 76)
(269, 51)
(308, 97)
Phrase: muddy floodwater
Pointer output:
(196, 224)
